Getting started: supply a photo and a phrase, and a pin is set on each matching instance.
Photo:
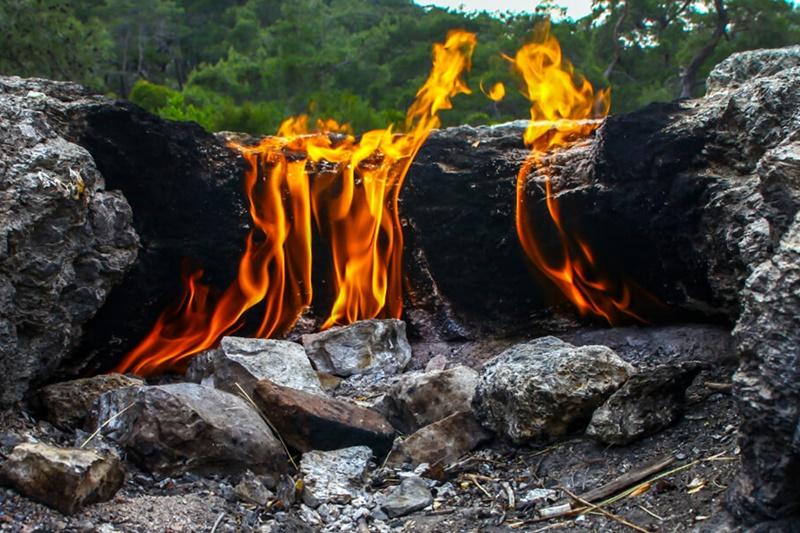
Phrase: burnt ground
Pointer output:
(469, 496)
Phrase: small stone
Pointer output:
(250, 489)
(439, 443)
(534, 496)
(411, 495)
(437, 362)
(315, 422)
(544, 389)
(364, 347)
(246, 361)
(66, 404)
(333, 476)
(185, 427)
(648, 402)
(417, 399)
(65, 479)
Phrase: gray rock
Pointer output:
(544, 389)
(66, 404)
(648, 402)
(411, 495)
(742, 67)
(247, 361)
(767, 385)
(439, 443)
(334, 476)
(186, 427)
(66, 479)
(368, 346)
(64, 240)
(417, 399)
(251, 490)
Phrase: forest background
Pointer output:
(245, 65)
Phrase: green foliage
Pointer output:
(247, 64)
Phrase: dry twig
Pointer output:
(612, 516)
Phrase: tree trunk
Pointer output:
(689, 76)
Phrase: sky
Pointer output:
(575, 8)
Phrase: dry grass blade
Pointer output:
(217, 522)
(270, 424)
(104, 424)
(612, 516)
(483, 490)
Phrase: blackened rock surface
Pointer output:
(185, 188)
(648, 402)
(186, 427)
(65, 240)
(62, 478)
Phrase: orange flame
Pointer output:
(350, 187)
(561, 109)
(496, 93)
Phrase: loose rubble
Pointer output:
(412, 495)
(544, 389)
(63, 478)
(335, 476)
(185, 427)
(240, 362)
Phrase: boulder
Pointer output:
(411, 495)
(65, 240)
(247, 361)
(648, 402)
(545, 389)
(365, 347)
(439, 443)
(334, 476)
(308, 421)
(66, 404)
(185, 427)
(65, 479)
(417, 399)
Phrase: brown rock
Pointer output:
(314, 422)
(66, 404)
(441, 442)
(65, 479)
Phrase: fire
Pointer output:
(349, 187)
(562, 107)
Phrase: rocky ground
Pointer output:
(498, 486)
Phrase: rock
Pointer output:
(368, 346)
(647, 403)
(250, 489)
(308, 421)
(185, 427)
(437, 362)
(439, 443)
(544, 389)
(767, 386)
(65, 240)
(333, 476)
(411, 495)
(743, 67)
(247, 361)
(421, 398)
(66, 404)
(65, 479)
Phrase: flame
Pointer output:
(496, 93)
(350, 188)
(562, 106)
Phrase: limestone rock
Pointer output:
(247, 361)
(308, 421)
(66, 404)
(65, 240)
(62, 478)
(411, 495)
(648, 402)
(439, 443)
(544, 389)
(417, 399)
(368, 346)
(333, 476)
(185, 427)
